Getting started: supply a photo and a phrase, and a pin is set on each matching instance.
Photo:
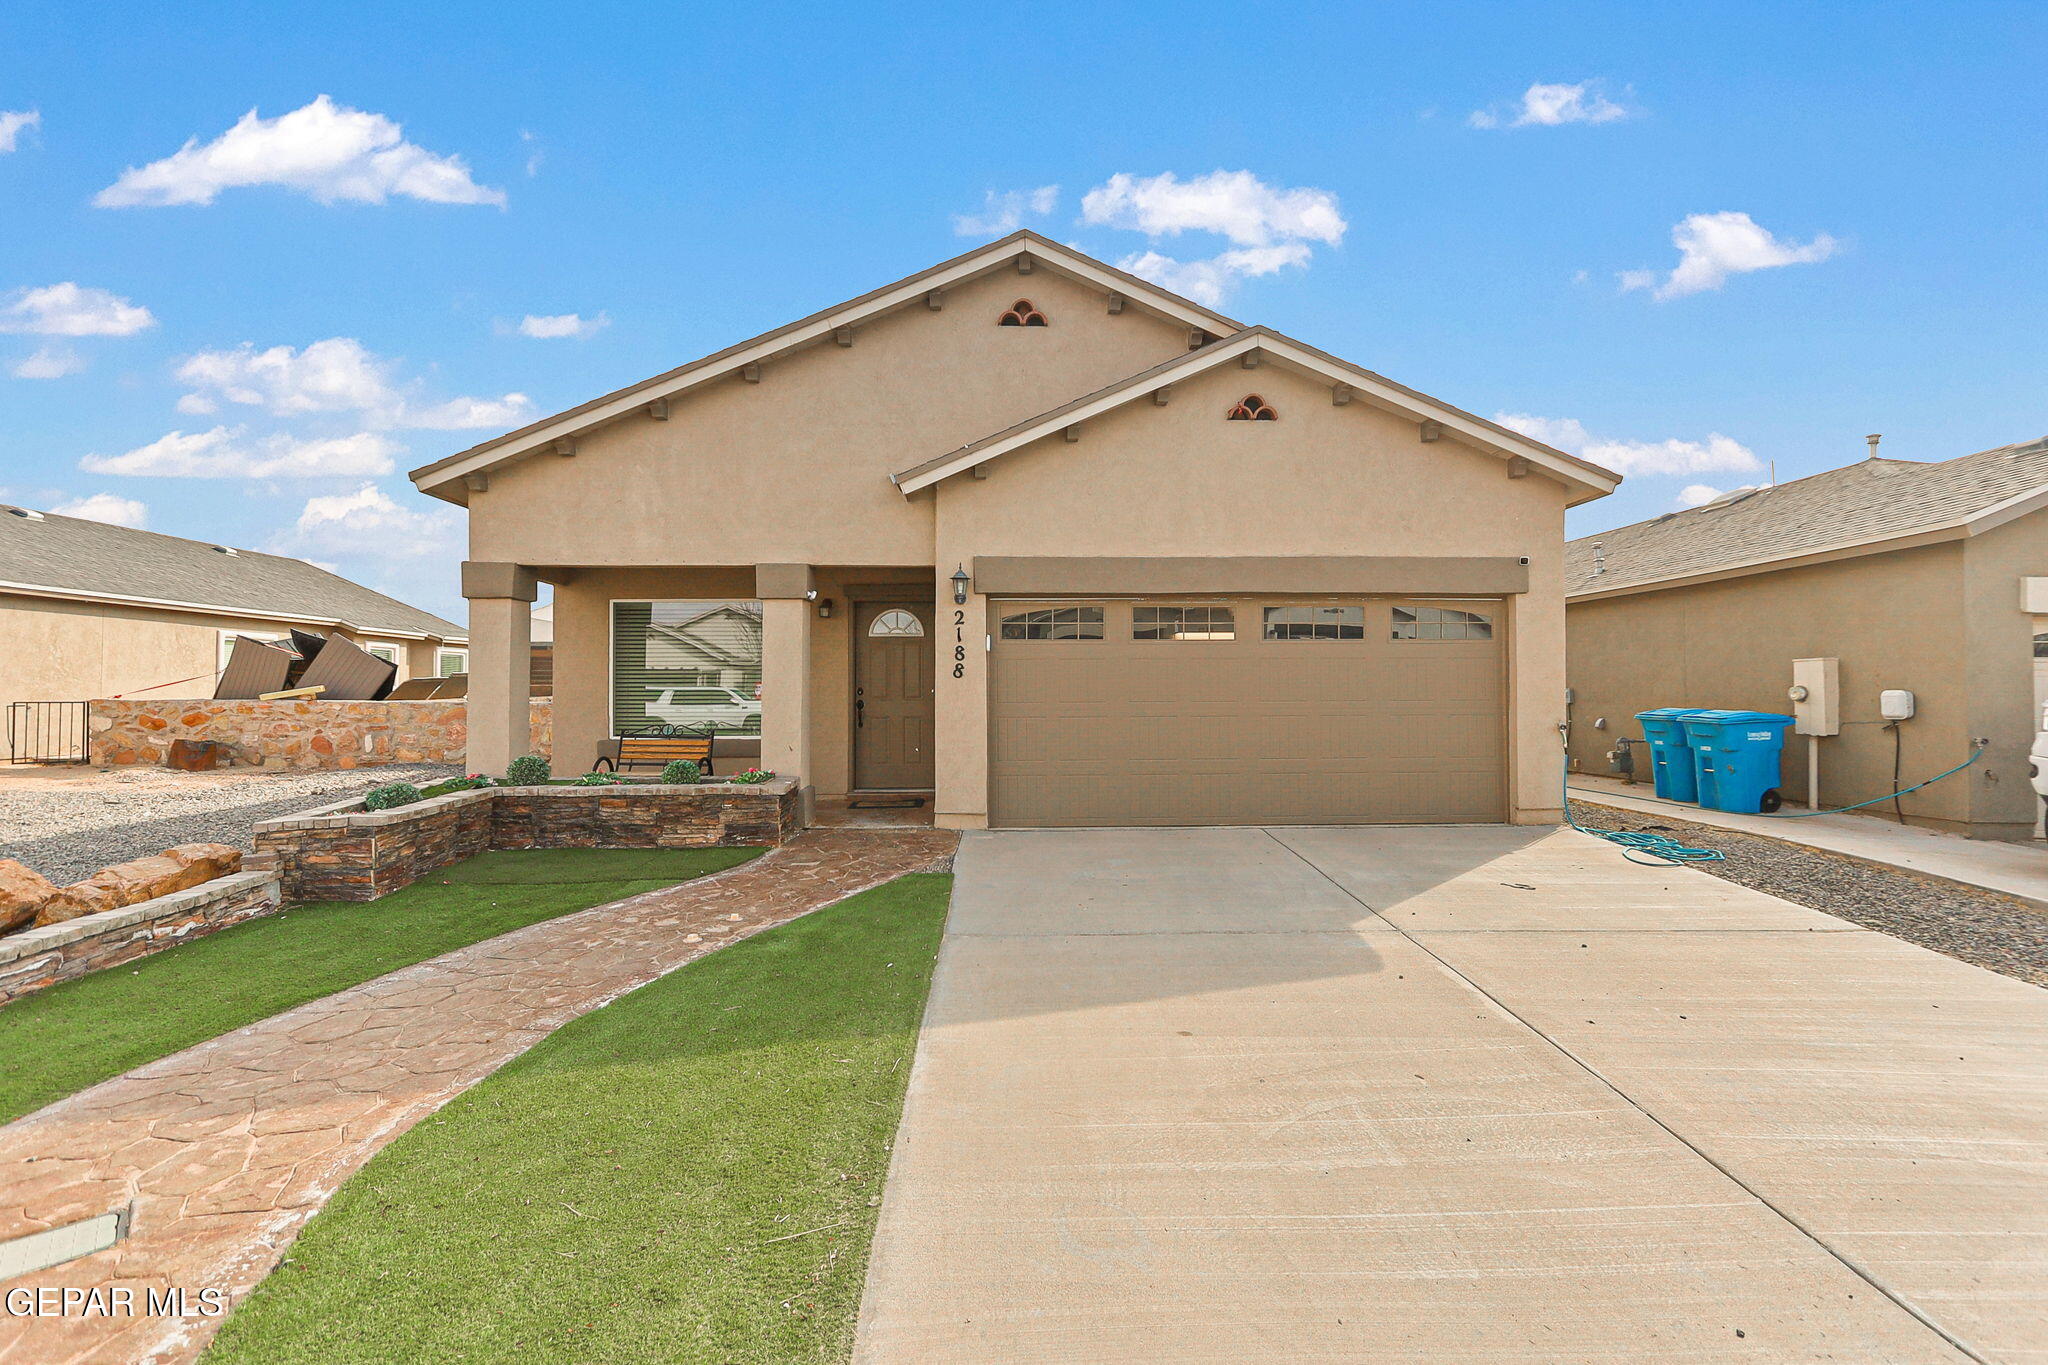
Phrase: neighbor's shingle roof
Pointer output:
(1872, 500)
(69, 554)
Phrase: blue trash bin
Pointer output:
(1735, 754)
(1672, 774)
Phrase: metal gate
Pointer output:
(48, 731)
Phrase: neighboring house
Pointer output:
(1055, 544)
(1923, 577)
(91, 610)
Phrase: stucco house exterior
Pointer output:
(1053, 545)
(1929, 577)
(90, 610)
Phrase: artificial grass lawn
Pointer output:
(688, 1174)
(73, 1035)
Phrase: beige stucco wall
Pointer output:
(1999, 674)
(1896, 620)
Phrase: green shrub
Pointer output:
(680, 772)
(598, 780)
(473, 782)
(750, 776)
(389, 795)
(528, 770)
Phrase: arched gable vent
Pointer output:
(1252, 408)
(1022, 314)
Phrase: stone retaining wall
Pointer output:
(297, 734)
(35, 958)
(346, 853)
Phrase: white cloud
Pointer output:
(11, 124)
(106, 507)
(1713, 246)
(218, 454)
(555, 325)
(70, 310)
(326, 150)
(339, 374)
(368, 524)
(1005, 212)
(1270, 228)
(49, 362)
(1548, 106)
(536, 153)
(1674, 457)
(1700, 494)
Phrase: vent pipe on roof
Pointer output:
(1599, 558)
(1874, 438)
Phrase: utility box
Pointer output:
(2034, 595)
(1816, 695)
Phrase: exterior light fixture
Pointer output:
(824, 608)
(960, 586)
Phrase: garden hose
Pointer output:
(1976, 752)
(1661, 847)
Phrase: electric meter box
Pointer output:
(1895, 705)
(1816, 695)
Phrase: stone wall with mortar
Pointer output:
(297, 734)
(343, 852)
(36, 958)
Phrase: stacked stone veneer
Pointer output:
(297, 734)
(35, 958)
(346, 853)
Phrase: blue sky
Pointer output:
(1864, 187)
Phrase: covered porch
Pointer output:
(820, 672)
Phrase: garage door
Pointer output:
(1246, 711)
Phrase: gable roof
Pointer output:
(1584, 480)
(445, 478)
(1864, 508)
(45, 555)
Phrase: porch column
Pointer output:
(501, 600)
(787, 593)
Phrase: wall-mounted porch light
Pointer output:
(960, 586)
(824, 608)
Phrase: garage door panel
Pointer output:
(1248, 730)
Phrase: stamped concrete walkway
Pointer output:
(1469, 1094)
(225, 1150)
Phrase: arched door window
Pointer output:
(897, 621)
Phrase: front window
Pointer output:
(695, 663)
(1183, 623)
(1440, 623)
(449, 662)
(1315, 623)
(1054, 623)
(388, 653)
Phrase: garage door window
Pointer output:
(1183, 623)
(1054, 623)
(1440, 623)
(1315, 623)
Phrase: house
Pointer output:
(1925, 577)
(1055, 545)
(91, 610)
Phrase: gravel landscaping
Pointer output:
(1981, 928)
(70, 827)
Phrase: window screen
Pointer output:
(686, 663)
(1440, 623)
(451, 661)
(1054, 623)
(1315, 623)
(1183, 623)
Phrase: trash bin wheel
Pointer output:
(1771, 801)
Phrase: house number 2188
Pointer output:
(959, 644)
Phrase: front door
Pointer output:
(892, 696)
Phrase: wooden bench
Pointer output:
(657, 747)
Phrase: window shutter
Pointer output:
(686, 663)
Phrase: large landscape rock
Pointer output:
(23, 892)
(130, 883)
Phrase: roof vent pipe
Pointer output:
(1599, 558)
(1874, 438)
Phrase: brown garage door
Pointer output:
(1246, 711)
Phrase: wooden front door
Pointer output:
(892, 696)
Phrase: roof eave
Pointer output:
(67, 594)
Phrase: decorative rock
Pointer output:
(138, 880)
(23, 892)
(297, 734)
(213, 860)
(194, 755)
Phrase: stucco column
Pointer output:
(501, 600)
(960, 705)
(787, 592)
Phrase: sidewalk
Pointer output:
(2019, 870)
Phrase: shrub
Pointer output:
(389, 795)
(528, 770)
(680, 772)
(474, 782)
(599, 780)
(750, 776)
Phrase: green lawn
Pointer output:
(63, 1039)
(688, 1174)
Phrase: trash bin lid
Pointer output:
(1735, 718)
(1665, 713)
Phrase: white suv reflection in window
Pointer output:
(720, 706)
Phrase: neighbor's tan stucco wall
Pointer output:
(1999, 674)
(1179, 480)
(796, 468)
(1894, 620)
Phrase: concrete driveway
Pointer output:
(1454, 1093)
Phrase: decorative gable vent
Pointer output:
(1252, 408)
(1022, 314)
